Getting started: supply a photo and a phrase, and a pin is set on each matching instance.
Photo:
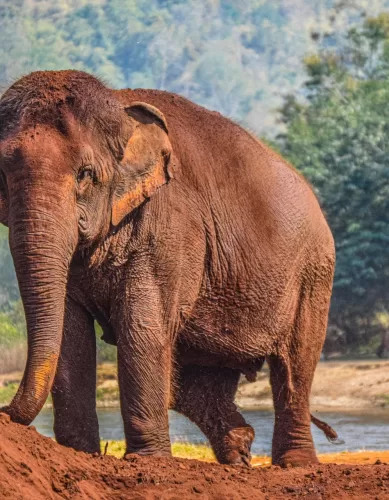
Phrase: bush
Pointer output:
(13, 357)
(106, 353)
(338, 138)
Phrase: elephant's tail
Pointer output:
(330, 433)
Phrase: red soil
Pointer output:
(35, 467)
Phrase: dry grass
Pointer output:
(13, 358)
(205, 454)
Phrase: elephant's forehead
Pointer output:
(31, 142)
(33, 145)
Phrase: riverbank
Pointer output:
(205, 454)
(338, 385)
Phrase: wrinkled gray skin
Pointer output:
(199, 251)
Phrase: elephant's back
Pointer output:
(210, 147)
(198, 135)
(258, 198)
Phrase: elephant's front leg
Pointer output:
(74, 388)
(144, 369)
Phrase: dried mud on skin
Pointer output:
(35, 467)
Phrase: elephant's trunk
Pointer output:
(42, 247)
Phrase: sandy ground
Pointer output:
(35, 467)
(342, 385)
(32, 466)
(343, 458)
(338, 385)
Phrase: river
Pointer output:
(363, 431)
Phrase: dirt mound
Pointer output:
(34, 467)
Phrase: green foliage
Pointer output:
(108, 394)
(238, 58)
(12, 325)
(7, 392)
(242, 59)
(339, 138)
(9, 291)
(9, 332)
(106, 353)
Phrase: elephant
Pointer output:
(198, 249)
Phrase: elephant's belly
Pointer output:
(187, 355)
(245, 321)
(239, 328)
(228, 338)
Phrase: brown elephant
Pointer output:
(198, 249)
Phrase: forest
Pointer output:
(309, 77)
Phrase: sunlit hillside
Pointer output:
(309, 75)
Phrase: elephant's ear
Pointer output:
(144, 166)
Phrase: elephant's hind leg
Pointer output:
(206, 396)
(291, 376)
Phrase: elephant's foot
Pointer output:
(77, 430)
(234, 448)
(299, 457)
(133, 455)
(148, 446)
(79, 439)
(87, 445)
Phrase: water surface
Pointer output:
(363, 431)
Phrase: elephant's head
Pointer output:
(73, 163)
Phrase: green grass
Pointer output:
(107, 387)
(107, 394)
(179, 450)
(194, 451)
(7, 392)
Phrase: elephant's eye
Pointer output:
(85, 173)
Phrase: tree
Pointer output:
(339, 138)
(240, 58)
